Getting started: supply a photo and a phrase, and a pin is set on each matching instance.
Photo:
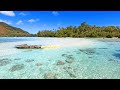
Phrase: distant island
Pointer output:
(83, 30)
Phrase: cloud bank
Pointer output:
(7, 13)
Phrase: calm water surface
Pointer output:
(76, 58)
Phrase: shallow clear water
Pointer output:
(82, 58)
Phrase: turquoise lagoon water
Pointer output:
(82, 58)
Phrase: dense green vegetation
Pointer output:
(84, 30)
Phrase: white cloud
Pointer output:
(8, 13)
(6, 21)
(23, 14)
(55, 13)
(19, 22)
(33, 20)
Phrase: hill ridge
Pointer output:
(11, 31)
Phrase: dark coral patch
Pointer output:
(102, 48)
(60, 63)
(29, 60)
(89, 57)
(17, 67)
(38, 64)
(17, 59)
(5, 59)
(4, 62)
(67, 69)
(69, 60)
(50, 75)
(88, 51)
(64, 55)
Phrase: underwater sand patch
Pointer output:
(17, 67)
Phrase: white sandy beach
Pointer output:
(9, 47)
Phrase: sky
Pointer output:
(34, 21)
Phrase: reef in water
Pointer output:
(102, 48)
(60, 63)
(113, 60)
(17, 67)
(69, 60)
(5, 59)
(38, 64)
(29, 60)
(17, 59)
(4, 62)
(90, 57)
(88, 51)
(69, 71)
(64, 55)
(50, 75)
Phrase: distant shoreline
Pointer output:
(65, 37)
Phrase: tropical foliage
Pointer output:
(84, 30)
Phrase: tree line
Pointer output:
(83, 30)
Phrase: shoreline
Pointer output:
(63, 37)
